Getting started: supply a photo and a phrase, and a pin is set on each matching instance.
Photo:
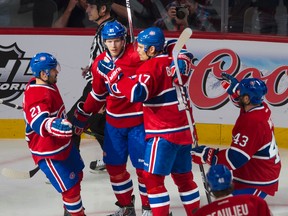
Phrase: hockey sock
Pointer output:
(122, 184)
(188, 191)
(142, 189)
(158, 196)
(72, 201)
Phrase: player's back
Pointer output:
(261, 146)
(239, 205)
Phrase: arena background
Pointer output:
(264, 57)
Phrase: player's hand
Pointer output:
(80, 119)
(185, 66)
(109, 71)
(203, 154)
(230, 83)
(59, 127)
(84, 71)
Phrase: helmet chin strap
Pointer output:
(98, 9)
(45, 81)
(98, 18)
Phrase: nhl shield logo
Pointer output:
(14, 72)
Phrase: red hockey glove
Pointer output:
(204, 154)
(59, 127)
(80, 119)
(109, 71)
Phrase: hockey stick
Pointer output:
(96, 135)
(15, 174)
(10, 104)
(132, 39)
(183, 38)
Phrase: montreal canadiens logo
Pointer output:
(72, 175)
(14, 72)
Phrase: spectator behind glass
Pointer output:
(198, 15)
(285, 2)
(144, 13)
(237, 9)
(4, 13)
(72, 13)
(25, 6)
(180, 14)
(207, 16)
(266, 16)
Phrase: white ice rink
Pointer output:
(33, 197)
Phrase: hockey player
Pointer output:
(48, 133)
(98, 11)
(219, 179)
(253, 155)
(168, 137)
(124, 129)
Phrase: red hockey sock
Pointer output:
(142, 189)
(157, 193)
(121, 183)
(188, 191)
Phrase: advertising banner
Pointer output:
(241, 58)
(264, 60)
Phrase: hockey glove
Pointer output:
(185, 66)
(230, 83)
(109, 71)
(59, 127)
(204, 154)
(80, 119)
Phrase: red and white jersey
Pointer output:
(39, 103)
(253, 155)
(120, 112)
(153, 85)
(239, 205)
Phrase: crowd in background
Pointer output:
(238, 16)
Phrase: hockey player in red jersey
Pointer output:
(168, 136)
(253, 155)
(48, 133)
(124, 129)
(219, 179)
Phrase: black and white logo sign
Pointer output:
(14, 72)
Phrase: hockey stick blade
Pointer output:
(10, 104)
(15, 174)
(183, 38)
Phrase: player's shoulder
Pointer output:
(100, 57)
(247, 198)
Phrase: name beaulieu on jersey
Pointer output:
(14, 72)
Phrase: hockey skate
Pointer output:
(66, 213)
(146, 211)
(97, 165)
(125, 210)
